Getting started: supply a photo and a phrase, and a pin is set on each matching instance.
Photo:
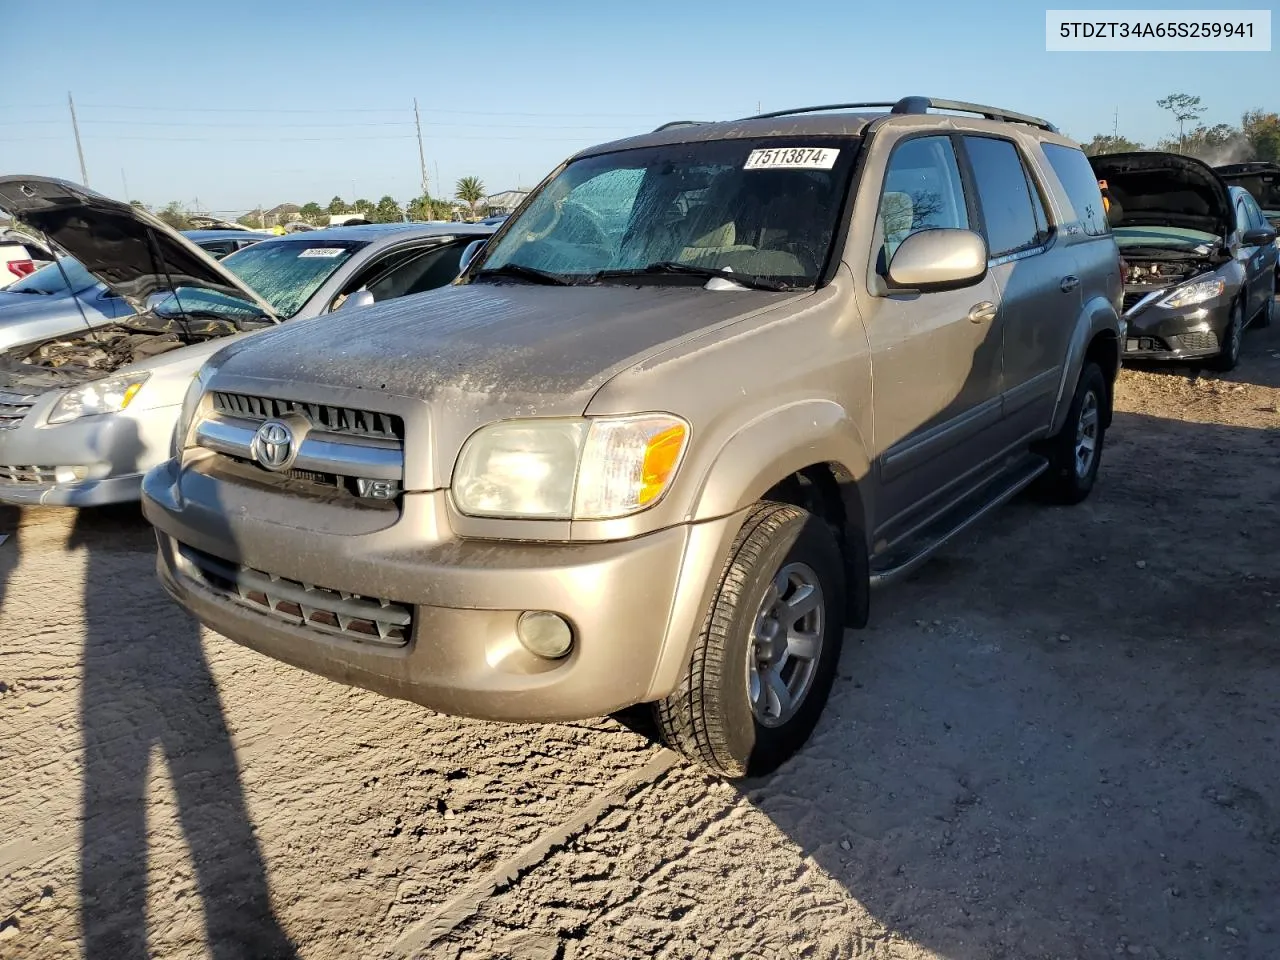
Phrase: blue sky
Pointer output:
(240, 103)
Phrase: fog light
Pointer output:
(545, 634)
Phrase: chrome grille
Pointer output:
(32, 474)
(341, 420)
(332, 612)
(13, 409)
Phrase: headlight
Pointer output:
(190, 403)
(110, 395)
(1197, 292)
(572, 469)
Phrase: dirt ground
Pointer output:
(1058, 740)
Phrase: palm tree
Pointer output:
(470, 190)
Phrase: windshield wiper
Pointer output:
(525, 273)
(689, 269)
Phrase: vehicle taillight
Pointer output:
(21, 268)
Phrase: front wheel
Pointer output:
(1228, 357)
(1267, 314)
(763, 663)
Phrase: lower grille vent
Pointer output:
(333, 612)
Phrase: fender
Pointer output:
(766, 450)
(1098, 315)
(775, 445)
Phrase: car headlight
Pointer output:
(570, 469)
(109, 395)
(190, 403)
(1191, 293)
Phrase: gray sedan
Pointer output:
(1200, 258)
(83, 416)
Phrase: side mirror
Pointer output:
(941, 259)
(469, 253)
(361, 298)
(1258, 238)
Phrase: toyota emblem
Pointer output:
(273, 445)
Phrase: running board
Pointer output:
(920, 546)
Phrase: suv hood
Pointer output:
(1165, 190)
(133, 253)
(532, 350)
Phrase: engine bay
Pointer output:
(1162, 273)
(71, 360)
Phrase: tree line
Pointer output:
(468, 194)
(1256, 138)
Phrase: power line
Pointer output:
(280, 141)
(365, 110)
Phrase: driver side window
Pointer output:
(922, 191)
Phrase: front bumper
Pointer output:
(85, 463)
(1160, 333)
(633, 605)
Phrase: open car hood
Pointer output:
(1165, 190)
(129, 250)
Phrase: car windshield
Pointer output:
(755, 208)
(49, 279)
(1174, 238)
(285, 274)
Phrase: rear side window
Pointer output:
(1005, 193)
(922, 191)
(1081, 184)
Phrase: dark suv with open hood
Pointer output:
(1201, 258)
(700, 392)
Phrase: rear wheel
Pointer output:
(1075, 451)
(1228, 357)
(763, 663)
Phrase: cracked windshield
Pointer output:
(754, 210)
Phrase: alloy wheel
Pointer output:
(786, 644)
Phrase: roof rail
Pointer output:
(921, 105)
(679, 123)
(924, 104)
(825, 107)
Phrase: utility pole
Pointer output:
(75, 127)
(1115, 125)
(422, 157)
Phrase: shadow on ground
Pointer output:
(149, 699)
(1062, 741)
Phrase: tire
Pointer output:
(710, 717)
(1267, 313)
(1066, 481)
(1228, 357)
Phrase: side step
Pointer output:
(905, 557)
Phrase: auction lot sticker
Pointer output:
(792, 158)
(322, 252)
(1123, 31)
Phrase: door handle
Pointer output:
(1068, 284)
(983, 312)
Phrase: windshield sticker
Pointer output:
(792, 158)
(322, 252)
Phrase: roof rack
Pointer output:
(917, 105)
(679, 123)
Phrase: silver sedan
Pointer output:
(84, 416)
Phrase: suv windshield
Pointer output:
(49, 279)
(763, 208)
(284, 274)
